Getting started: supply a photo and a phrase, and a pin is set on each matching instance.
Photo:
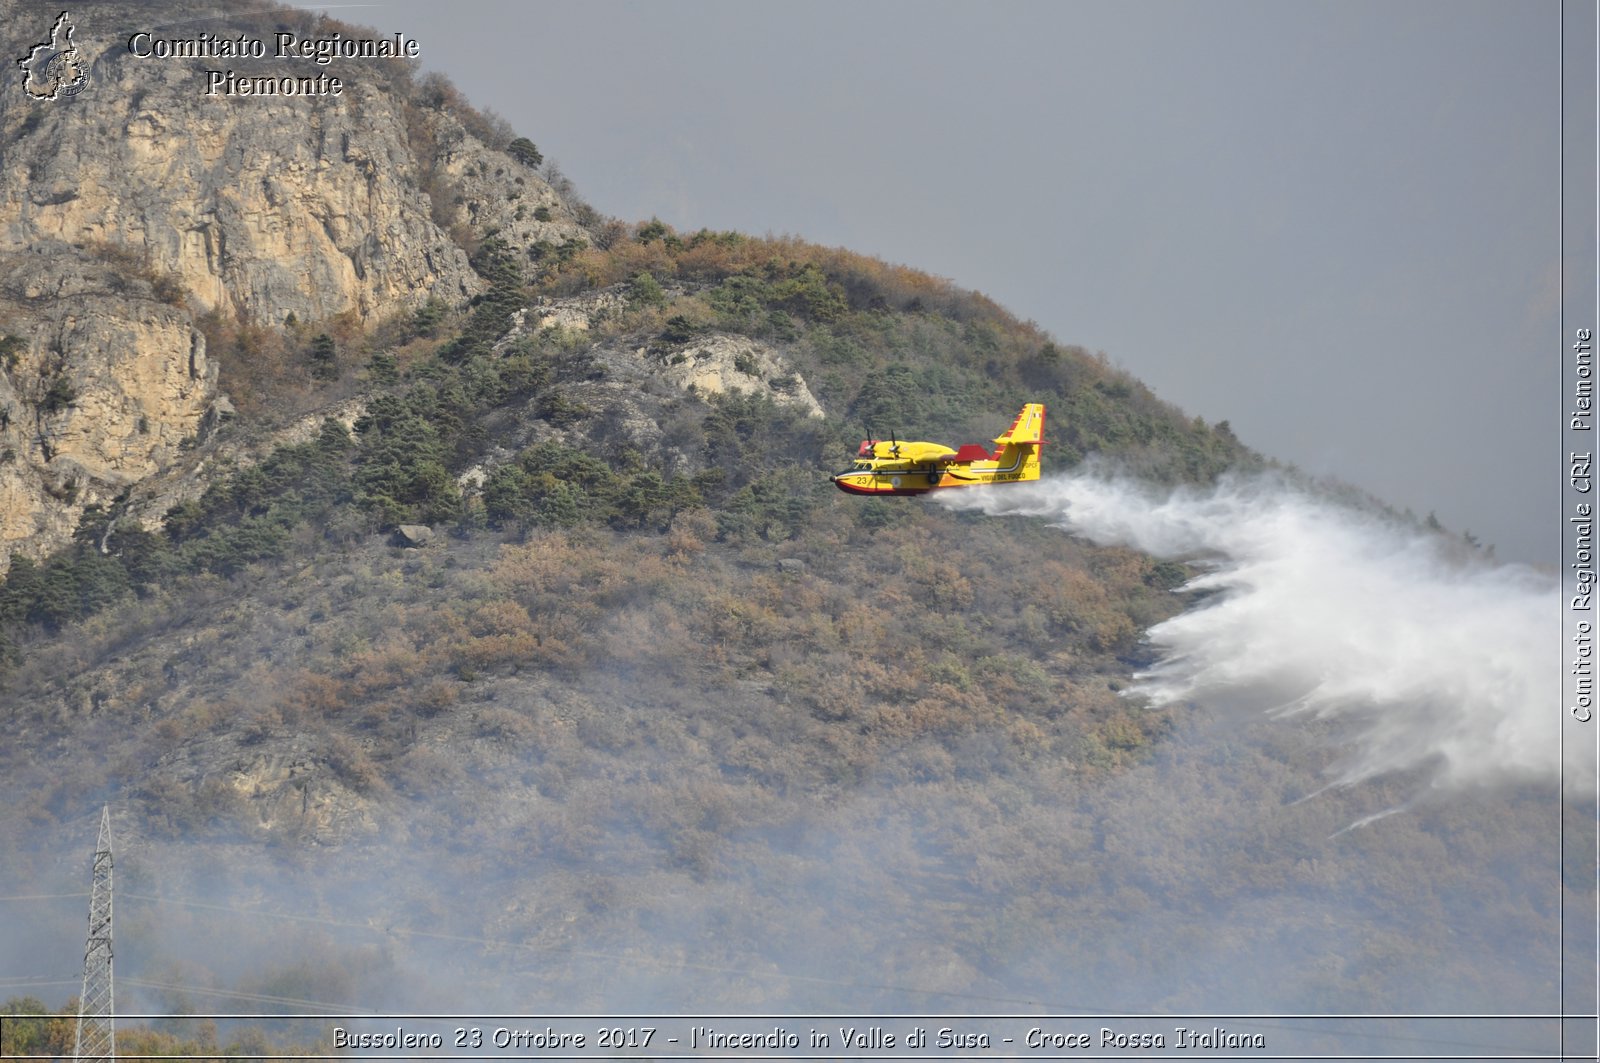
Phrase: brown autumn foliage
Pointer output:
(707, 257)
(630, 725)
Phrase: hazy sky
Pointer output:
(1333, 224)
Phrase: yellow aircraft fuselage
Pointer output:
(894, 468)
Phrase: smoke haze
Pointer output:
(549, 873)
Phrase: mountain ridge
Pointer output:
(654, 697)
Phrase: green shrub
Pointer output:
(59, 395)
(646, 291)
(524, 151)
(11, 348)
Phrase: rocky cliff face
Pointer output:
(139, 203)
(104, 384)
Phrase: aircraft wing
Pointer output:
(921, 452)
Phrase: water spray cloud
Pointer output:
(1431, 662)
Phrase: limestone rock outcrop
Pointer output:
(138, 204)
(103, 384)
(719, 362)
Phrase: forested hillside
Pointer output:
(521, 649)
(654, 676)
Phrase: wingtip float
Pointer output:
(890, 467)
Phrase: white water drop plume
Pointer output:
(1437, 661)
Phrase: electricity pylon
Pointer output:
(97, 1034)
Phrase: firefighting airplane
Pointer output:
(894, 468)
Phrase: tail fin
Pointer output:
(1023, 441)
(1027, 428)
